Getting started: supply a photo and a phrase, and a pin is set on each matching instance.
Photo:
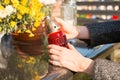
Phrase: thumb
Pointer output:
(64, 26)
(60, 21)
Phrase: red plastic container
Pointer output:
(57, 38)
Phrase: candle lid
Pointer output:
(51, 25)
(69, 1)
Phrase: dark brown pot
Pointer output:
(38, 34)
(29, 48)
(25, 37)
(29, 45)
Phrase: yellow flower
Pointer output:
(22, 9)
(0, 20)
(19, 31)
(19, 65)
(28, 61)
(15, 3)
(31, 35)
(6, 1)
(35, 7)
(37, 23)
(0, 28)
(23, 60)
(1, 7)
(33, 28)
(24, 2)
(12, 24)
(28, 31)
(37, 77)
(32, 59)
(19, 16)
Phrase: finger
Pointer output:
(54, 57)
(62, 24)
(71, 46)
(64, 27)
(60, 21)
(68, 36)
(56, 47)
(54, 52)
(56, 63)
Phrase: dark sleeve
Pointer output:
(104, 32)
(106, 70)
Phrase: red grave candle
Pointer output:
(55, 36)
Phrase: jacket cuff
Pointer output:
(106, 70)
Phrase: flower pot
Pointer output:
(30, 45)
(38, 34)
(25, 37)
(29, 48)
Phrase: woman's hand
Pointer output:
(69, 58)
(70, 31)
